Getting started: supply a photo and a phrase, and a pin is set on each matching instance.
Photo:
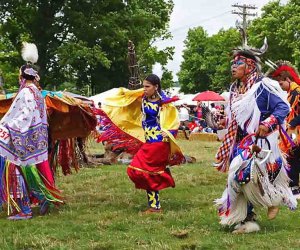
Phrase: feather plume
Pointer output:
(288, 67)
(255, 52)
(30, 52)
(271, 64)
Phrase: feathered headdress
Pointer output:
(280, 66)
(250, 52)
(30, 53)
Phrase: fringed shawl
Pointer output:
(124, 110)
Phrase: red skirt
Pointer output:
(148, 167)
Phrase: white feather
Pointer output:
(30, 52)
(247, 227)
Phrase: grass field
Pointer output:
(102, 212)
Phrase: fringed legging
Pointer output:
(41, 182)
(21, 186)
(153, 199)
(17, 191)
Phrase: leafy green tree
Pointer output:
(193, 76)
(85, 42)
(8, 72)
(33, 21)
(281, 25)
(206, 62)
(218, 56)
(167, 80)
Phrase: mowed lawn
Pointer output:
(102, 211)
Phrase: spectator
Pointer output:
(220, 117)
(198, 111)
(100, 126)
(184, 113)
(222, 111)
(213, 109)
(194, 127)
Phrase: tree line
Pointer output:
(83, 43)
(206, 63)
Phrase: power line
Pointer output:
(243, 12)
(201, 21)
(193, 24)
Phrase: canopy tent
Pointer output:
(102, 96)
(208, 96)
(186, 99)
(173, 91)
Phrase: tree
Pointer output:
(218, 56)
(206, 62)
(193, 76)
(33, 21)
(281, 25)
(85, 42)
(167, 80)
(8, 72)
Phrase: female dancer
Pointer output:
(156, 126)
(25, 174)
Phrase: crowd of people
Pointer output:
(201, 118)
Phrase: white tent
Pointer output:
(186, 99)
(225, 95)
(173, 91)
(102, 96)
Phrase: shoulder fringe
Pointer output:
(246, 109)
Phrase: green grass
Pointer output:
(102, 212)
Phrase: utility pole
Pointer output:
(243, 12)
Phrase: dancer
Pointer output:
(289, 81)
(148, 169)
(256, 177)
(26, 176)
(156, 126)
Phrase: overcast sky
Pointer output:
(212, 15)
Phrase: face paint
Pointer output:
(241, 60)
(236, 63)
(248, 61)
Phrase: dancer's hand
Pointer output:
(164, 134)
(165, 137)
(262, 131)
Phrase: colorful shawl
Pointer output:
(236, 91)
(26, 126)
(124, 111)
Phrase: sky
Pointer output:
(212, 15)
